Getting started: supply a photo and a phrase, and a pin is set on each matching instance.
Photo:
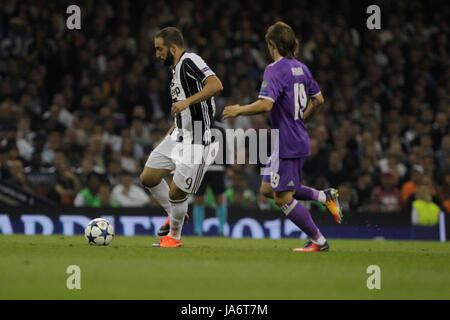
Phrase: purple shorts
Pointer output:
(284, 174)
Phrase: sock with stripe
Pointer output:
(178, 212)
(302, 219)
(221, 213)
(161, 194)
(199, 216)
(307, 193)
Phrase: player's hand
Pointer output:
(231, 111)
(179, 106)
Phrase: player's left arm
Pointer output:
(257, 107)
(315, 103)
(212, 86)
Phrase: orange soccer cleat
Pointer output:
(168, 242)
(165, 228)
(333, 204)
(312, 247)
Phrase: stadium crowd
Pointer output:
(81, 109)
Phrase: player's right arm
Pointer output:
(257, 107)
(314, 105)
(269, 93)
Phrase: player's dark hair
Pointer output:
(284, 38)
(171, 35)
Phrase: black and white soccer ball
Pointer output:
(99, 232)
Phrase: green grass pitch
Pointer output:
(34, 267)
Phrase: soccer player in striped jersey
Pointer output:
(292, 97)
(186, 148)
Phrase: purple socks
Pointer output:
(301, 218)
(306, 193)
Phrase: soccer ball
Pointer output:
(99, 232)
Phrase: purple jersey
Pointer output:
(289, 84)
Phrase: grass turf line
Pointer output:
(34, 267)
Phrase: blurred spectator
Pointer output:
(410, 187)
(67, 186)
(127, 194)
(443, 155)
(426, 181)
(128, 161)
(347, 197)
(114, 173)
(443, 193)
(393, 161)
(363, 190)
(240, 195)
(335, 175)
(17, 177)
(386, 197)
(104, 195)
(424, 211)
(89, 196)
(100, 97)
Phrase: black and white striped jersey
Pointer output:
(194, 123)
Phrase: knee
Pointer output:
(266, 192)
(279, 202)
(147, 180)
(176, 194)
(282, 200)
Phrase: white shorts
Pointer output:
(187, 161)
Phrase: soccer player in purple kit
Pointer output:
(292, 97)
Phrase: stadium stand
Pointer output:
(95, 99)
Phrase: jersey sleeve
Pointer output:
(197, 68)
(271, 87)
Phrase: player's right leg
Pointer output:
(328, 197)
(153, 180)
(301, 217)
(285, 178)
(160, 164)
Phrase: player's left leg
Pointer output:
(285, 179)
(186, 180)
(302, 219)
(178, 208)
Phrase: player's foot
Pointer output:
(333, 205)
(312, 247)
(168, 242)
(165, 228)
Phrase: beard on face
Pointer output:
(169, 59)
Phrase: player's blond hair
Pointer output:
(284, 38)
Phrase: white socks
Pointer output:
(178, 212)
(161, 193)
(320, 241)
(322, 197)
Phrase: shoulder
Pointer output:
(190, 57)
(272, 71)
